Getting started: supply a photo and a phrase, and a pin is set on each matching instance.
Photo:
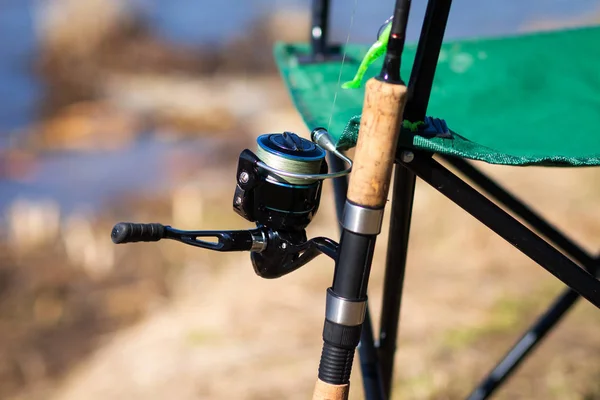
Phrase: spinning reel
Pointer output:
(278, 188)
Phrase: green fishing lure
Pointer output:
(375, 51)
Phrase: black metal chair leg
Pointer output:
(321, 50)
(519, 208)
(561, 305)
(401, 212)
(506, 226)
(525, 345)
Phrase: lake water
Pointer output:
(193, 21)
(184, 20)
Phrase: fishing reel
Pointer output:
(278, 188)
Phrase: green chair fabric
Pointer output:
(525, 100)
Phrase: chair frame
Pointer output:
(555, 254)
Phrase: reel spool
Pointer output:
(290, 153)
(279, 186)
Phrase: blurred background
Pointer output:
(137, 110)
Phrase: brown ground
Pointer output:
(206, 327)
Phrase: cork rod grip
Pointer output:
(377, 140)
(326, 391)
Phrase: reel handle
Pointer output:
(245, 240)
(273, 253)
(129, 232)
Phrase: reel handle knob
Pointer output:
(129, 232)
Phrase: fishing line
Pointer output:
(288, 158)
(337, 87)
(303, 167)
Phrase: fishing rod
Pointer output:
(381, 121)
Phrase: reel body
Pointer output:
(272, 200)
(285, 205)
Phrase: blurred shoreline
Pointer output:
(132, 127)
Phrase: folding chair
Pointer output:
(542, 119)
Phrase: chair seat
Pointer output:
(525, 100)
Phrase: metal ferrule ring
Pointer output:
(362, 220)
(343, 311)
(259, 241)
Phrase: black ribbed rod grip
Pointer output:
(335, 365)
(129, 232)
